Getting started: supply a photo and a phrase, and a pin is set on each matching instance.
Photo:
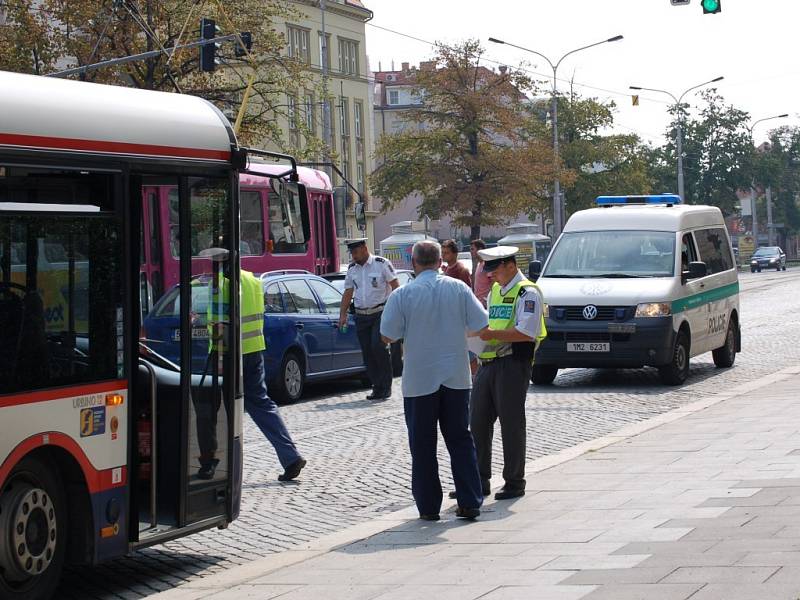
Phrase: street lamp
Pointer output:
(558, 208)
(753, 206)
(679, 128)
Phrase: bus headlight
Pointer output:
(653, 309)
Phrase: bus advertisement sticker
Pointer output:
(93, 421)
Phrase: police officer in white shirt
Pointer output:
(370, 279)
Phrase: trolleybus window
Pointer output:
(286, 225)
(251, 224)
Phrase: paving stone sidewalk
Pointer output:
(702, 503)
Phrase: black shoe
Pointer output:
(506, 493)
(433, 517)
(207, 470)
(379, 395)
(293, 470)
(484, 488)
(468, 513)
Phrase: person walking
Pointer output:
(454, 267)
(481, 282)
(516, 327)
(257, 403)
(369, 280)
(434, 314)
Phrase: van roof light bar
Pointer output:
(666, 199)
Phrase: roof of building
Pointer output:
(65, 115)
(645, 218)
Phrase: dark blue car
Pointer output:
(304, 342)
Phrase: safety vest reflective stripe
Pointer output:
(502, 315)
(252, 318)
(251, 334)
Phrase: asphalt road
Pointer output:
(359, 464)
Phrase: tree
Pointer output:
(44, 36)
(777, 166)
(603, 164)
(465, 150)
(718, 153)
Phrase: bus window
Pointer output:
(251, 223)
(48, 336)
(286, 225)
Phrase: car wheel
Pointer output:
(677, 371)
(543, 374)
(33, 531)
(725, 356)
(291, 379)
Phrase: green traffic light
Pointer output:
(711, 6)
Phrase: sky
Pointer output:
(754, 44)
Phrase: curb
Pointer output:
(203, 587)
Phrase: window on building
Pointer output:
(344, 117)
(298, 43)
(358, 118)
(360, 177)
(394, 97)
(348, 57)
(324, 49)
(291, 111)
(308, 113)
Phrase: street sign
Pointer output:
(747, 245)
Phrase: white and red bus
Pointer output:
(102, 441)
(270, 239)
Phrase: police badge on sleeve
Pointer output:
(530, 306)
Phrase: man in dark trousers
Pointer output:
(516, 326)
(434, 314)
(369, 281)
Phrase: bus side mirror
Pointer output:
(534, 270)
(361, 216)
(696, 270)
(294, 194)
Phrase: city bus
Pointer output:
(269, 241)
(102, 440)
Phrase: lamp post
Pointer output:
(679, 128)
(753, 205)
(558, 208)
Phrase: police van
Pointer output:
(639, 281)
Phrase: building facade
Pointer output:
(336, 107)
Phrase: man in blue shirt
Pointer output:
(433, 314)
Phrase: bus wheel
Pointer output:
(33, 526)
(543, 374)
(677, 371)
(291, 379)
(726, 354)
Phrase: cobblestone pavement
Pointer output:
(359, 464)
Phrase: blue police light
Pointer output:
(668, 199)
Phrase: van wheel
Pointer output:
(677, 371)
(33, 532)
(543, 374)
(291, 379)
(725, 355)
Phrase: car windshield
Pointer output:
(613, 254)
(766, 252)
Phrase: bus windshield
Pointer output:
(618, 254)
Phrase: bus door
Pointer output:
(324, 232)
(186, 420)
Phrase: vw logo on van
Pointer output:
(590, 312)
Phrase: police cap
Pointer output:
(355, 243)
(494, 257)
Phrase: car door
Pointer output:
(313, 325)
(279, 330)
(720, 285)
(346, 349)
(692, 302)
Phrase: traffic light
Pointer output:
(711, 7)
(208, 52)
(247, 40)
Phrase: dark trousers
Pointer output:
(449, 409)
(499, 391)
(375, 352)
(263, 410)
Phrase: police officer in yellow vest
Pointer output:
(516, 327)
(261, 408)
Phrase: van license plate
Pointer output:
(588, 347)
